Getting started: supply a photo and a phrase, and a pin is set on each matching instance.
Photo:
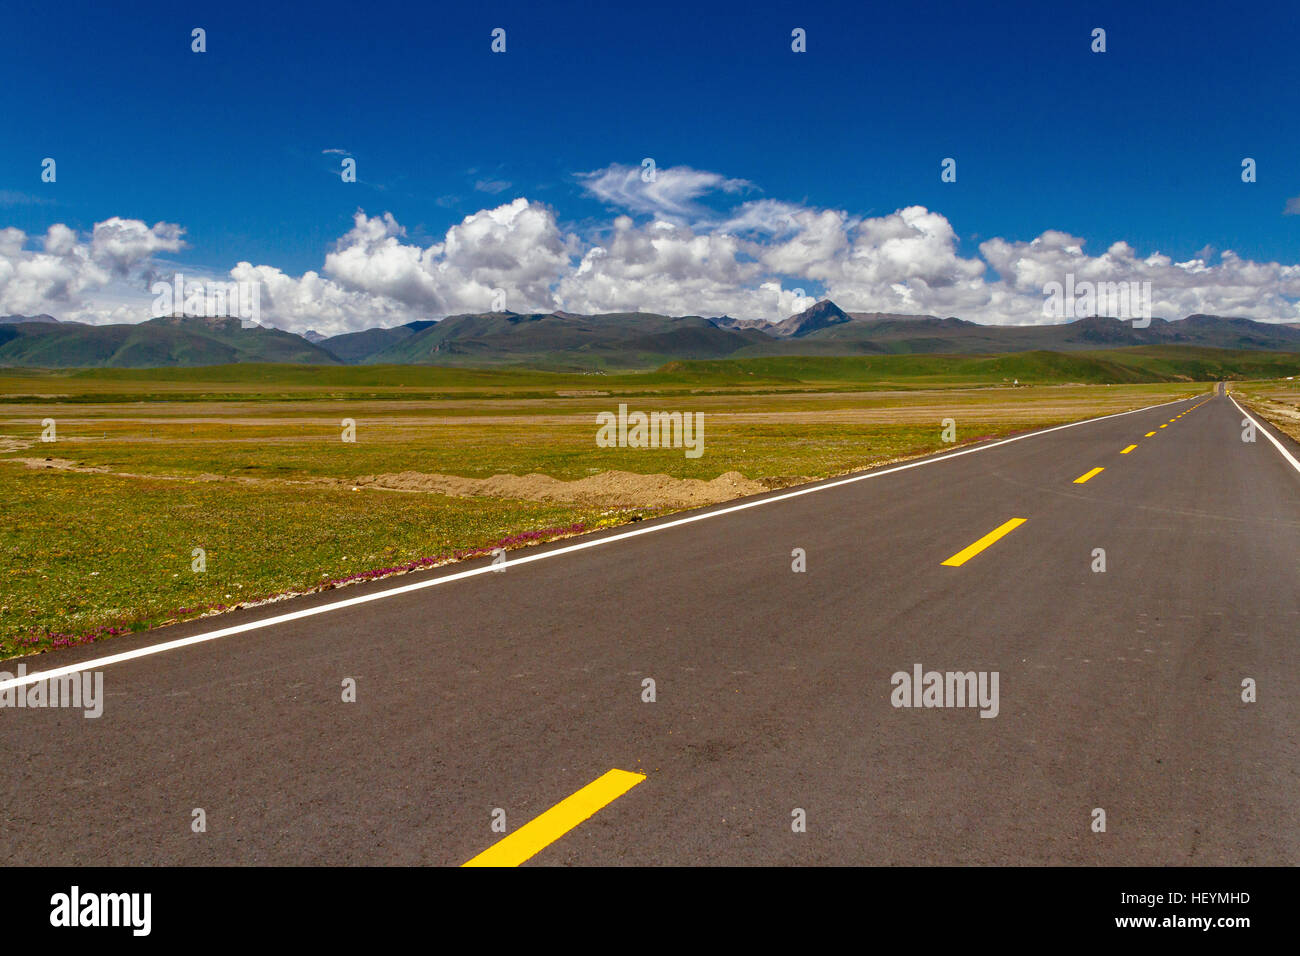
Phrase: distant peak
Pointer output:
(817, 316)
(823, 309)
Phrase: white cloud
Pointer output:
(667, 268)
(124, 244)
(1233, 286)
(67, 269)
(517, 248)
(671, 194)
(664, 253)
(311, 301)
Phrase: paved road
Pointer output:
(1118, 690)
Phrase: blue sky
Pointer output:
(1143, 143)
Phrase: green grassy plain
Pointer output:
(247, 463)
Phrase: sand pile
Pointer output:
(612, 489)
(609, 488)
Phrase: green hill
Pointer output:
(561, 340)
(156, 342)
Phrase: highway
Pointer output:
(525, 690)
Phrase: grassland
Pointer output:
(1277, 400)
(254, 382)
(98, 528)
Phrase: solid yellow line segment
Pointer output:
(964, 555)
(1148, 434)
(1128, 449)
(542, 831)
(1088, 474)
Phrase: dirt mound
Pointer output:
(609, 488)
(612, 489)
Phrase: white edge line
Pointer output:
(526, 559)
(1260, 428)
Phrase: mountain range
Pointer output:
(623, 340)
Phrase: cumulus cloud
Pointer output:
(311, 301)
(66, 268)
(517, 248)
(664, 267)
(662, 252)
(124, 244)
(1232, 286)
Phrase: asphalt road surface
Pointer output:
(1119, 690)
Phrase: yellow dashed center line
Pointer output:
(965, 554)
(1088, 474)
(1148, 434)
(1164, 426)
(542, 831)
(1128, 449)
